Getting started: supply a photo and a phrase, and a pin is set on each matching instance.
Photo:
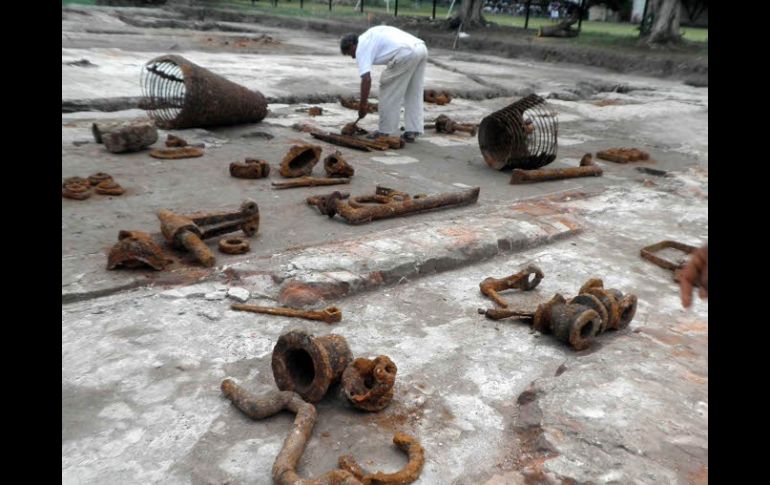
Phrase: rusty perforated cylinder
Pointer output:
(308, 365)
(521, 135)
(181, 94)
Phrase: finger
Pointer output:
(703, 293)
(685, 288)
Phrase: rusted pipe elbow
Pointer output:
(368, 384)
(308, 365)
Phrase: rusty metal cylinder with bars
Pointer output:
(521, 135)
(180, 94)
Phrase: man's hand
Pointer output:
(695, 273)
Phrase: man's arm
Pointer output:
(366, 86)
(695, 273)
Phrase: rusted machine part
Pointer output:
(336, 166)
(175, 141)
(587, 168)
(521, 135)
(135, 249)
(285, 465)
(330, 314)
(368, 384)
(315, 111)
(327, 204)
(75, 180)
(350, 141)
(623, 155)
(395, 208)
(501, 313)
(250, 169)
(525, 280)
(621, 308)
(445, 124)
(234, 245)
(410, 473)
(354, 104)
(181, 231)
(130, 136)
(176, 153)
(308, 365)
(300, 160)
(109, 187)
(596, 305)
(310, 182)
(98, 177)
(214, 224)
(648, 253)
(77, 191)
(574, 324)
(180, 94)
(440, 98)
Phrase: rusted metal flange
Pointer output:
(76, 190)
(98, 177)
(181, 94)
(250, 169)
(234, 245)
(176, 153)
(521, 135)
(525, 280)
(410, 473)
(308, 365)
(368, 384)
(135, 249)
(300, 160)
(109, 187)
(336, 165)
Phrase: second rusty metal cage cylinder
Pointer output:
(521, 135)
(180, 94)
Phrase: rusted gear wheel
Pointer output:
(109, 187)
(234, 245)
(98, 177)
(76, 191)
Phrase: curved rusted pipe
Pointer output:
(408, 474)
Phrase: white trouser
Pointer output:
(403, 82)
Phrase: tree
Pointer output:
(694, 8)
(469, 14)
(665, 22)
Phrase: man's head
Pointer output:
(348, 45)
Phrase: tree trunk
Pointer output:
(469, 14)
(665, 25)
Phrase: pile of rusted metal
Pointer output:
(79, 188)
(575, 322)
(305, 368)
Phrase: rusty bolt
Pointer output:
(308, 365)
(368, 384)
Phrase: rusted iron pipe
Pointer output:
(521, 135)
(410, 473)
(368, 384)
(181, 94)
(329, 314)
(310, 182)
(526, 280)
(350, 141)
(308, 365)
(394, 208)
(587, 168)
(285, 466)
(623, 155)
(300, 160)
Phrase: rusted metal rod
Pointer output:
(310, 182)
(587, 168)
(329, 314)
(350, 141)
(500, 313)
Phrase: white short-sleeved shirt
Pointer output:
(379, 45)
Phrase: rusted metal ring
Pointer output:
(98, 177)
(109, 187)
(594, 304)
(75, 180)
(76, 191)
(234, 245)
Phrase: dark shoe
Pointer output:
(409, 136)
(376, 135)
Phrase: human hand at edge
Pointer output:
(695, 273)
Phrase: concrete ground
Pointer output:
(143, 353)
